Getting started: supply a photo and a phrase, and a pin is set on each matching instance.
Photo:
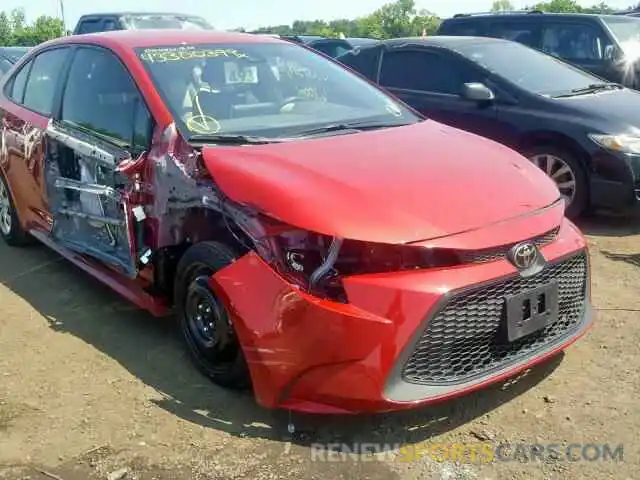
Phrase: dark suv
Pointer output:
(606, 45)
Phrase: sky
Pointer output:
(254, 13)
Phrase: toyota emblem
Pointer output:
(523, 255)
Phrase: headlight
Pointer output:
(617, 143)
(316, 263)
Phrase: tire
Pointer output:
(579, 201)
(203, 319)
(11, 230)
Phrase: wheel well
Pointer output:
(540, 138)
(198, 225)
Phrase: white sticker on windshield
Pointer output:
(235, 74)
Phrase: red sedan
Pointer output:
(318, 240)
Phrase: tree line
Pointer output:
(398, 19)
(15, 31)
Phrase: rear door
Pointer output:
(27, 105)
(102, 124)
(431, 81)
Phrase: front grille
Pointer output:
(465, 339)
(496, 253)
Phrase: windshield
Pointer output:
(527, 68)
(626, 30)
(263, 89)
(142, 22)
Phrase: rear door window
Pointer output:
(574, 41)
(523, 32)
(43, 80)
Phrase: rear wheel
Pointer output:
(10, 229)
(568, 174)
(205, 323)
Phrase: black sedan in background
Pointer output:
(9, 56)
(584, 132)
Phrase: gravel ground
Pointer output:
(92, 388)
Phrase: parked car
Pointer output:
(606, 45)
(9, 56)
(104, 22)
(334, 250)
(582, 131)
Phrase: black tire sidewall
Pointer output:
(581, 198)
(17, 236)
(215, 256)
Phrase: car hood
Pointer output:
(620, 107)
(396, 185)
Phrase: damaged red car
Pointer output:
(318, 241)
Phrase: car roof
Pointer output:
(529, 15)
(135, 13)
(445, 41)
(131, 39)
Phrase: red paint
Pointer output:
(318, 356)
(428, 184)
(386, 187)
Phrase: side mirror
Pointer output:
(478, 92)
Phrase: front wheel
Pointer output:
(205, 323)
(568, 174)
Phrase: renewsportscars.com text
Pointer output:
(467, 452)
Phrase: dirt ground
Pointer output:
(91, 388)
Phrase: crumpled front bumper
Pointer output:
(313, 355)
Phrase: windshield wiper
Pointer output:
(230, 139)
(357, 126)
(592, 88)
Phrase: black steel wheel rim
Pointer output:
(208, 323)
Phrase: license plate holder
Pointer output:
(531, 311)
